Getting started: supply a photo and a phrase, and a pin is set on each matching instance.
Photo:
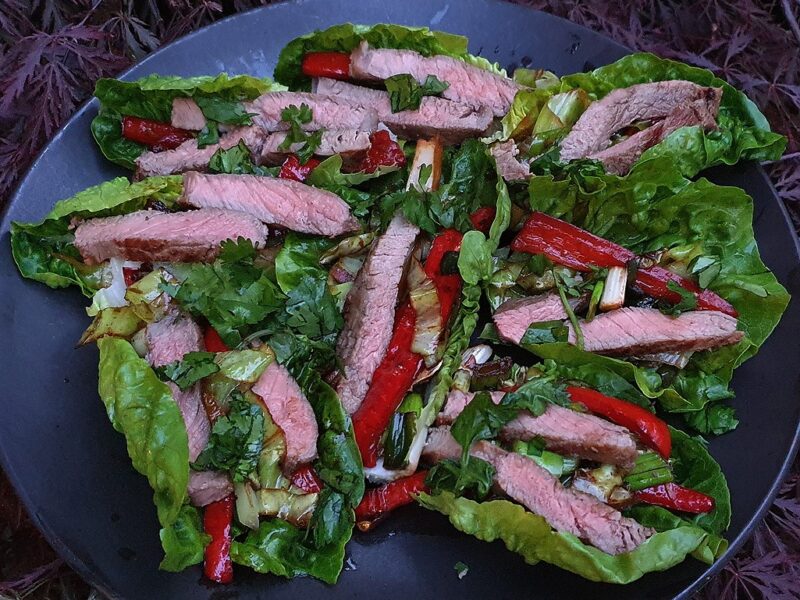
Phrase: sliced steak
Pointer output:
(168, 340)
(468, 84)
(348, 142)
(206, 487)
(564, 509)
(451, 121)
(672, 104)
(291, 411)
(513, 317)
(563, 430)
(188, 157)
(637, 331)
(508, 165)
(370, 309)
(283, 202)
(187, 115)
(327, 112)
(152, 236)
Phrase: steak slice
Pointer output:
(673, 104)
(327, 112)
(291, 411)
(451, 121)
(564, 509)
(348, 142)
(206, 487)
(563, 430)
(513, 317)
(370, 309)
(468, 84)
(169, 340)
(637, 331)
(189, 157)
(152, 236)
(508, 165)
(283, 202)
(187, 115)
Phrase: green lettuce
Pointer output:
(151, 98)
(45, 251)
(530, 536)
(346, 37)
(708, 228)
(183, 541)
(743, 133)
(282, 549)
(141, 407)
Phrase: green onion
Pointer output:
(597, 293)
(571, 313)
(650, 470)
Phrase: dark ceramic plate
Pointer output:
(72, 471)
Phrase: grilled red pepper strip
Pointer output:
(154, 134)
(383, 152)
(652, 431)
(213, 342)
(335, 65)
(292, 169)
(676, 497)
(217, 520)
(306, 479)
(482, 218)
(395, 375)
(568, 245)
(381, 500)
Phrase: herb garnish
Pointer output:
(296, 117)
(405, 92)
(190, 369)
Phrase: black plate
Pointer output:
(72, 471)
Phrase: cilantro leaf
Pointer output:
(225, 111)
(473, 477)
(232, 293)
(296, 117)
(189, 370)
(405, 92)
(238, 160)
(236, 439)
(687, 302)
(545, 332)
(208, 135)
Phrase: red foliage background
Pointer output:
(52, 51)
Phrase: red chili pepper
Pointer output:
(131, 275)
(568, 245)
(383, 152)
(335, 65)
(154, 133)
(652, 431)
(482, 218)
(217, 520)
(213, 342)
(292, 169)
(384, 499)
(676, 497)
(448, 287)
(306, 479)
(395, 375)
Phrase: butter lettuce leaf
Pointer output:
(141, 407)
(346, 37)
(151, 98)
(743, 133)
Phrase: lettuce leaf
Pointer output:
(45, 252)
(530, 536)
(183, 541)
(743, 134)
(346, 37)
(280, 548)
(141, 407)
(151, 98)
(652, 208)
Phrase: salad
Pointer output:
(395, 275)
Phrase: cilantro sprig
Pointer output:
(406, 93)
(297, 116)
